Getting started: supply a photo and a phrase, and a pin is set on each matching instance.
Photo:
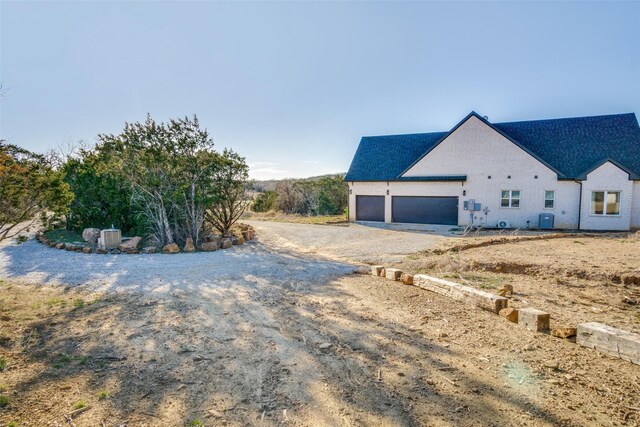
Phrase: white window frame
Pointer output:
(553, 199)
(604, 207)
(511, 198)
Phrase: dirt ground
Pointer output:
(576, 279)
(357, 351)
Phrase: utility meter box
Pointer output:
(110, 239)
(471, 205)
(545, 221)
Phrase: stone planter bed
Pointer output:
(241, 234)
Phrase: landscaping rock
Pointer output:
(564, 332)
(392, 273)
(130, 246)
(406, 278)
(70, 247)
(87, 249)
(210, 246)
(237, 240)
(91, 235)
(376, 269)
(188, 246)
(149, 250)
(101, 251)
(511, 314)
(115, 251)
(534, 319)
(225, 243)
(171, 248)
(212, 238)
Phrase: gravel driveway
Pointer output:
(352, 242)
(282, 253)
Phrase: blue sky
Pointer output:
(293, 86)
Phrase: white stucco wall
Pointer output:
(607, 177)
(476, 150)
(635, 205)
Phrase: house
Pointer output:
(575, 173)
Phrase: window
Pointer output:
(510, 199)
(605, 202)
(549, 199)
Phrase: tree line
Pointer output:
(325, 196)
(163, 180)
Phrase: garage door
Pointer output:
(425, 210)
(370, 208)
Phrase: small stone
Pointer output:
(551, 364)
(324, 345)
(509, 313)
(406, 278)
(171, 248)
(528, 347)
(188, 246)
(564, 332)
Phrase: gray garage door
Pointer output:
(370, 208)
(425, 210)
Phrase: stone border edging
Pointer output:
(598, 336)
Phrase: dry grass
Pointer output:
(298, 219)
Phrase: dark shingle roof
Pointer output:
(572, 147)
(384, 158)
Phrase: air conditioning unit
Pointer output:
(504, 224)
(110, 238)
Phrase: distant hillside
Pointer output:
(270, 184)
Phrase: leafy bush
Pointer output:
(265, 202)
(31, 188)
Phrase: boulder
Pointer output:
(149, 250)
(91, 235)
(171, 248)
(131, 245)
(225, 243)
(188, 246)
(509, 313)
(210, 246)
(87, 249)
(60, 246)
(237, 240)
(248, 235)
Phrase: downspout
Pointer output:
(580, 207)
